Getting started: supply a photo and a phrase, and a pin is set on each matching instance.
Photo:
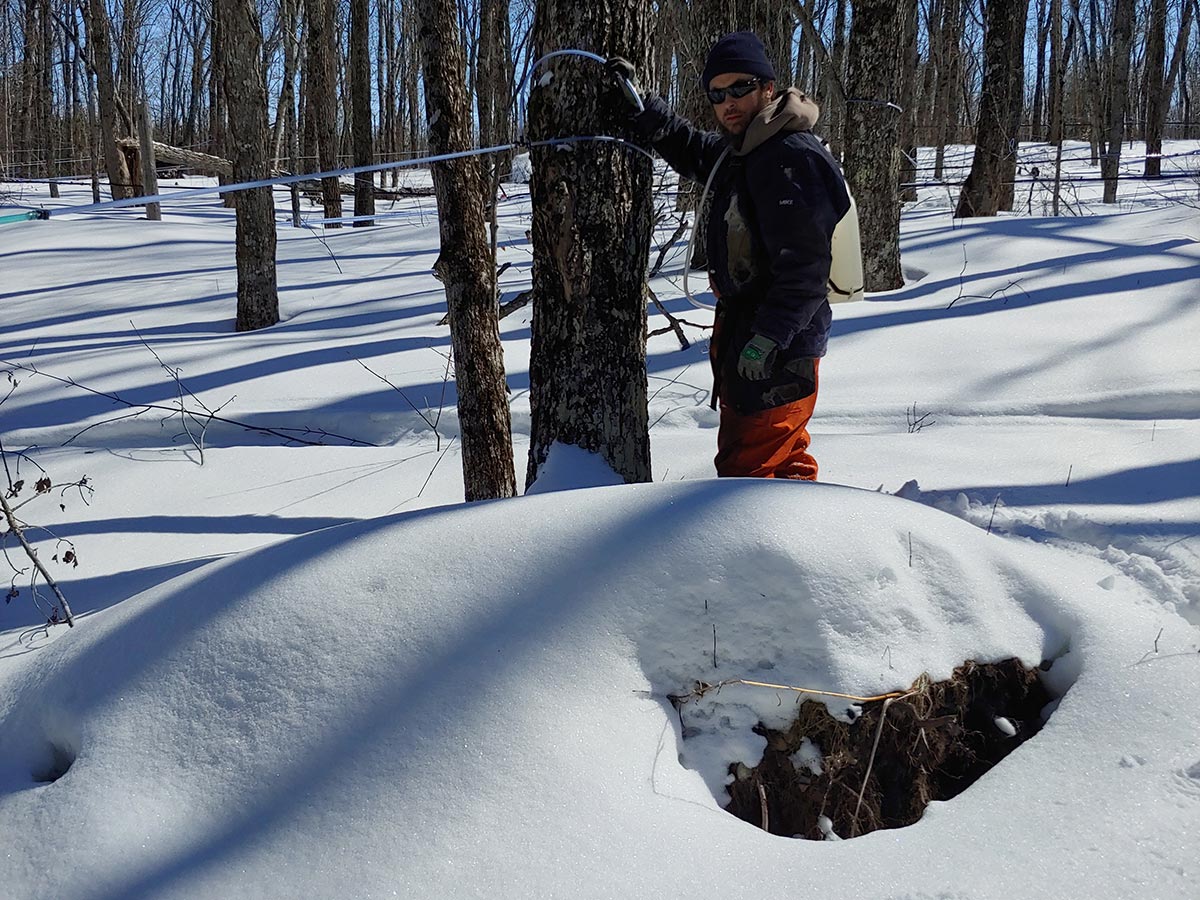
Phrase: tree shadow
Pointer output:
(1127, 487)
(439, 675)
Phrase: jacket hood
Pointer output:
(790, 111)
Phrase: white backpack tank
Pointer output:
(846, 269)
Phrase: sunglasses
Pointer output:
(737, 90)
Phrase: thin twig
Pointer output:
(436, 463)
(871, 762)
(291, 435)
(995, 503)
(181, 389)
(424, 418)
(703, 688)
(665, 248)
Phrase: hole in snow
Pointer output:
(933, 746)
(58, 760)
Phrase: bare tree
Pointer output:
(1093, 75)
(1041, 42)
(1159, 83)
(910, 68)
(119, 180)
(360, 93)
(871, 154)
(988, 188)
(320, 70)
(246, 97)
(948, 87)
(1058, 68)
(1117, 95)
(591, 241)
(465, 262)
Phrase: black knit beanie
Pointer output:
(741, 51)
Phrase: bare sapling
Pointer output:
(13, 498)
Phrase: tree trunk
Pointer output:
(1155, 86)
(872, 153)
(360, 98)
(946, 100)
(1176, 66)
(119, 180)
(148, 161)
(218, 135)
(1087, 44)
(412, 65)
(1118, 95)
(47, 125)
(284, 113)
(591, 241)
(245, 90)
(988, 188)
(322, 91)
(832, 96)
(383, 67)
(908, 100)
(1054, 132)
(836, 124)
(1039, 89)
(465, 261)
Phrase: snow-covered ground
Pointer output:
(310, 671)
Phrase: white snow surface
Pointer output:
(312, 671)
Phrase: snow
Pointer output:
(313, 671)
(568, 467)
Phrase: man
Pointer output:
(776, 196)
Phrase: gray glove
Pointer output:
(757, 358)
(626, 93)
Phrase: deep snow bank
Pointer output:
(471, 702)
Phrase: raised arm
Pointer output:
(688, 150)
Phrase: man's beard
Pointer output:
(733, 137)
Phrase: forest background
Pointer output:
(252, 92)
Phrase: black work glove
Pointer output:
(625, 94)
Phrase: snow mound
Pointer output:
(471, 701)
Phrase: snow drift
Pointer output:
(471, 701)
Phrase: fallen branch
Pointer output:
(520, 300)
(672, 323)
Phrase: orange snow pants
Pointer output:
(768, 444)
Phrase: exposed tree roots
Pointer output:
(934, 744)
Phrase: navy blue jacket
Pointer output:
(774, 203)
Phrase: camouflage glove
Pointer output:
(625, 92)
(757, 358)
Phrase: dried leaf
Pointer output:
(43, 485)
